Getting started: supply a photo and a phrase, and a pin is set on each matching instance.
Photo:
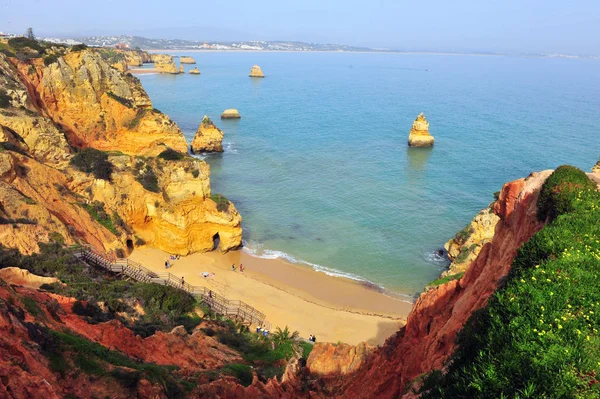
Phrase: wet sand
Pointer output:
(332, 308)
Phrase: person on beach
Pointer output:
(241, 268)
(182, 282)
(310, 338)
(314, 339)
(166, 264)
(233, 267)
(210, 294)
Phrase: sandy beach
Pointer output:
(333, 309)
(139, 71)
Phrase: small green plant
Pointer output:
(91, 160)
(79, 47)
(4, 100)
(57, 237)
(446, 279)
(221, 201)
(97, 211)
(463, 235)
(240, 371)
(138, 117)
(122, 100)
(146, 177)
(171, 155)
(51, 59)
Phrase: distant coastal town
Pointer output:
(143, 43)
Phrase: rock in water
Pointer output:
(164, 63)
(230, 114)
(181, 70)
(208, 138)
(184, 59)
(256, 72)
(194, 71)
(419, 134)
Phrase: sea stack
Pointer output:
(164, 63)
(256, 72)
(194, 71)
(419, 134)
(208, 138)
(181, 70)
(184, 59)
(230, 114)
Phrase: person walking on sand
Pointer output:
(166, 264)
(182, 282)
(233, 267)
(241, 268)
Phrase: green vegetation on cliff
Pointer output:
(539, 335)
(91, 160)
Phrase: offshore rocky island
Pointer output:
(86, 159)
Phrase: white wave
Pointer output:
(258, 252)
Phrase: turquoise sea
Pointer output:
(319, 166)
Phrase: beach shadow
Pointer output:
(385, 330)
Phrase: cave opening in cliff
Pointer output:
(216, 241)
(129, 245)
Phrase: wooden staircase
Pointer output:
(236, 310)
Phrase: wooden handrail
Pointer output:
(218, 303)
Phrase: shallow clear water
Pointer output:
(319, 167)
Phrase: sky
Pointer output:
(504, 26)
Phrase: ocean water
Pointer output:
(319, 166)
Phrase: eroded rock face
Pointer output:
(44, 198)
(164, 63)
(208, 137)
(256, 72)
(97, 106)
(184, 59)
(427, 340)
(466, 245)
(419, 134)
(596, 168)
(26, 372)
(230, 114)
(17, 276)
(338, 359)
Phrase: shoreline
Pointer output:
(332, 308)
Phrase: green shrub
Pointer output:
(559, 192)
(240, 371)
(4, 100)
(51, 59)
(91, 160)
(463, 235)
(32, 307)
(446, 279)
(119, 99)
(538, 336)
(146, 177)
(79, 47)
(96, 210)
(221, 201)
(138, 117)
(171, 155)
(57, 237)
(20, 43)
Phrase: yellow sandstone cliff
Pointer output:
(419, 134)
(256, 72)
(164, 63)
(53, 112)
(466, 245)
(194, 71)
(184, 59)
(208, 138)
